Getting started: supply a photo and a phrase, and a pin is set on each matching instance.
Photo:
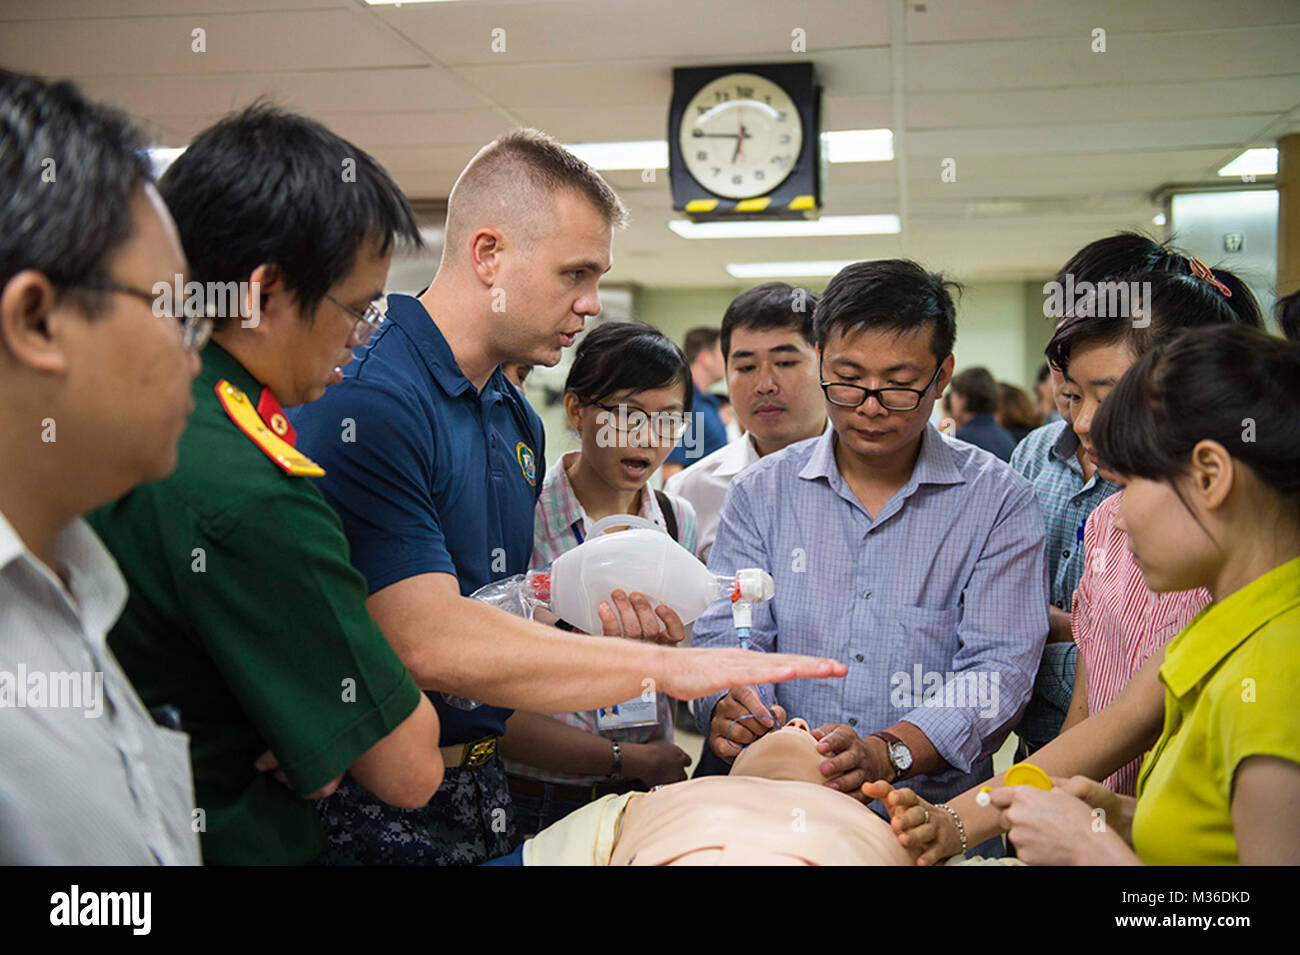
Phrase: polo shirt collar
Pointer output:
(934, 463)
(408, 314)
(1220, 628)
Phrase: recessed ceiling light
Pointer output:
(1253, 162)
(795, 228)
(758, 270)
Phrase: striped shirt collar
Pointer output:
(558, 509)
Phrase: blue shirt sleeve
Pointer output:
(377, 450)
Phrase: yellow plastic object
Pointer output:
(1027, 774)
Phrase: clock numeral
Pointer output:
(759, 174)
(702, 155)
(737, 180)
(722, 96)
(745, 92)
(780, 160)
(780, 116)
(784, 139)
(717, 170)
(702, 111)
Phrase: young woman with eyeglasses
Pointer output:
(627, 395)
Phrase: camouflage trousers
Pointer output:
(468, 821)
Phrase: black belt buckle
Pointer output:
(479, 752)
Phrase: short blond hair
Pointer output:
(515, 176)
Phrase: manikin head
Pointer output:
(789, 753)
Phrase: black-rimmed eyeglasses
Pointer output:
(844, 395)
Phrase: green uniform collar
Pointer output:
(219, 363)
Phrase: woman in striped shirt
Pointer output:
(1117, 621)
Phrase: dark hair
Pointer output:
(1017, 408)
(1288, 315)
(265, 186)
(1231, 384)
(894, 294)
(978, 388)
(68, 226)
(770, 305)
(1044, 372)
(698, 340)
(627, 356)
(1174, 303)
(1128, 253)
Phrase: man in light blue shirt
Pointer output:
(915, 559)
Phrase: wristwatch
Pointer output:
(617, 770)
(900, 754)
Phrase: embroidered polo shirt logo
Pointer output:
(527, 462)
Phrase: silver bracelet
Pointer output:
(961, 830)
(617, 769)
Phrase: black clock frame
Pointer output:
(805, 179)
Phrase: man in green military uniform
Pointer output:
(245, 613)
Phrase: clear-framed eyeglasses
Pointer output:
(368, 322)
(665, 425)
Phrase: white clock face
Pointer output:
(740, 135)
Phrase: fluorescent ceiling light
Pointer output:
(859, 145)
(1253, 162)
(841, 145)
(795, 228)
(1158, 219)
(759, 270)
(641, 154)
(398, 3)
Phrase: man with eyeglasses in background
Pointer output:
(916, 560)
(94, 393)
(246, 617)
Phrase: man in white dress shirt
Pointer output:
(94, 393)
(773, 384)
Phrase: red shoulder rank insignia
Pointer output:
(269, 410)
(246, 419)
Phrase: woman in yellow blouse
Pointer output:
(1205, 434)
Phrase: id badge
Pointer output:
(635, 712)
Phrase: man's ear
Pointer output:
(485, 248)
(945, 374)
(1211, 474)
(267, 295)
(30, 324)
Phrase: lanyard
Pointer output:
(576, 527)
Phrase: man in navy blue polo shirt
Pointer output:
(433, 462)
